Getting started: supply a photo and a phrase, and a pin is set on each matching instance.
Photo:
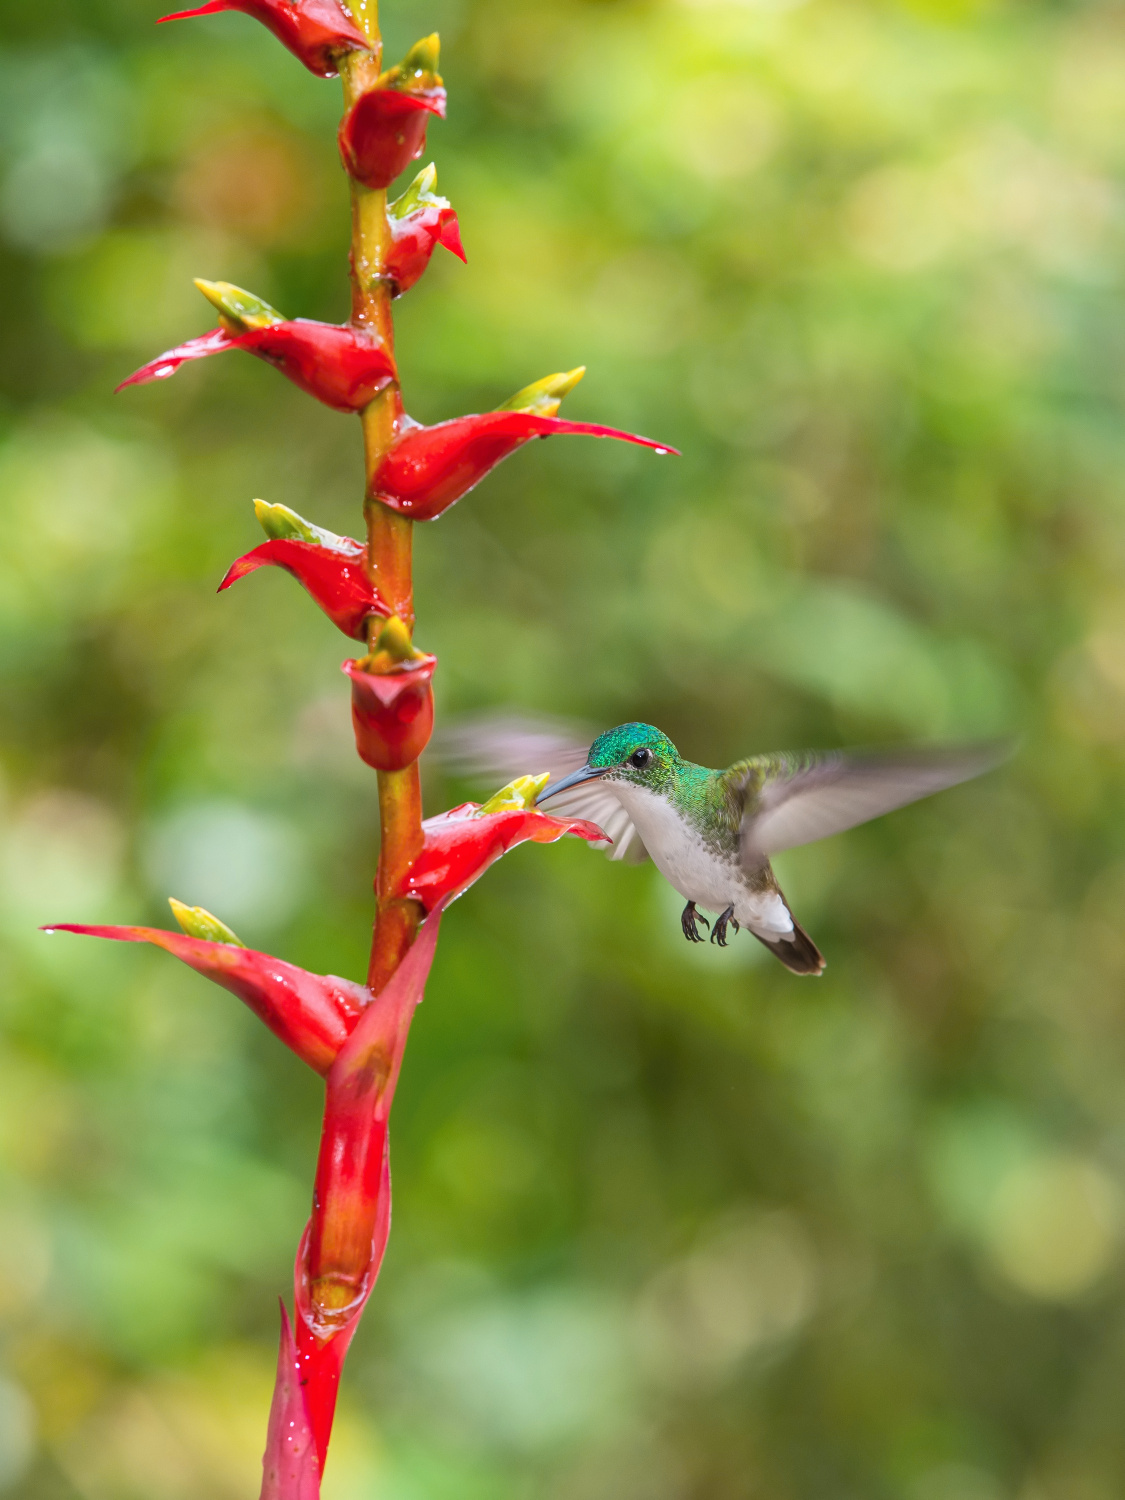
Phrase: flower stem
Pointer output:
(396, 921)
(389, 535)
(365, 14)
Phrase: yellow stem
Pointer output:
(389, 551)
(396, 921)
(365, 14)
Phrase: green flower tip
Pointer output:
(419, 194)
(282, 524)
(198, 923)
(241, 310)
(544, 398)
(517, 796)
(418, 71)
(390, 648)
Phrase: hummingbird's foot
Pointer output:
(688, 919)
(722, 922)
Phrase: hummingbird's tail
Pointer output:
(796, 949)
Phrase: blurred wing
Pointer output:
(793, 800)
(494, 748)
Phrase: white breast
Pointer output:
(696, 871)
(677, 851)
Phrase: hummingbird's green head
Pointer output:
(634, 752)
(631, 752)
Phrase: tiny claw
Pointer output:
(688, 919)
(722, 922)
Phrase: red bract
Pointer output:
(342, 366)
(384, 131)
(291, 1467)
(343, 1246)
(462, 843)
(316, 31)
(414, 236)
(392, 711)
(430, 468)
(335, 577)
(314, 1014)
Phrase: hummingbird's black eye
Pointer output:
(640, 758)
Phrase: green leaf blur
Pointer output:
(669, 1224)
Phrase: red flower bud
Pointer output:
(392, 700)
(462, 843)
(290, 1468)
(385, 129)
(316, 31)
(418, 221)
(428, 469)
(334, 576)
(342, 366)
(312, 1013)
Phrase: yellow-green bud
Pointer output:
(390, 648)
(517, 796)
(419, 193)
(282, 524)
(199, 923)
(419, 68)
(544, 398)
(241, 309)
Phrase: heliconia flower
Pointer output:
(418, 221)
(462, 843)
(291, 1466)
(342, 366)
(385, 129)
(314, 1014)
(330, 567)
(342, 1247)
(392, 700)
(316, 31)
(428, 469)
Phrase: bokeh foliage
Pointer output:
(669, 1224)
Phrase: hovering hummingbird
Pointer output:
(711, 833)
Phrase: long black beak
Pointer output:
(576, 778)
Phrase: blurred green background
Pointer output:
(669, 1224)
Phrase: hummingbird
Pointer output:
(711, 833)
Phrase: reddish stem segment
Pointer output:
(390, 549)
(397, 919)
(343, 1245)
